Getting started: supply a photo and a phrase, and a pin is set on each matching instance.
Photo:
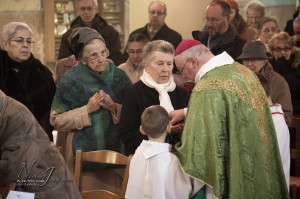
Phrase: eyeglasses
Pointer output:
(278, 49)
(181, 71)
(21, 41)
(138, 51)
(269, 30)
(212, 20)
(158, 13)
(89, 9)
(95, 56)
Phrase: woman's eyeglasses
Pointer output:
(22, 41)
(285, 49)
(95, 56)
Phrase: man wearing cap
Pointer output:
(88, 103)
(88, 16)
(254, 56)
(228, 141)
(220, 36)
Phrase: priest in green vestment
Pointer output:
(229, 141)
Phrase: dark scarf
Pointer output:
(11, 82)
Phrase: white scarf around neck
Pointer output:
(162, 89)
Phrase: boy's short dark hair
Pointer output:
(155, 120)
(265, 84)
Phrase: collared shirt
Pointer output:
(133, 73)
(216, 61)
(219, 60)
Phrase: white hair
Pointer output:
(10, 29)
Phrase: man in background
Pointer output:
(156, 28)
(88, 16)
(219, 35)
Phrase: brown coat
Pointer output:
(62, 66)
(279, 91)
(24, 143)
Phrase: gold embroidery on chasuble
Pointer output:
(258, 101)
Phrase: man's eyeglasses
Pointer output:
(266, 30)
(21, 41)
(181, 71)
(212, 19)
(95, 56)
(138, 51)
(285, 49)
(158, 13)
(89, 9)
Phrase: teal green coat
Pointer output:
(75, 89)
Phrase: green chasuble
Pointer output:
(229, 141)
(75, 89)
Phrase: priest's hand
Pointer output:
(176, 116)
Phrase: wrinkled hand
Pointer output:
(176, 116)
(94, 102)
(107, 102)
(177, 128)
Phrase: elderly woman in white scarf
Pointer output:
(156, 87)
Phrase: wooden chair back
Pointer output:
(295, 125)
(97, 194)
(102, 156)
(295, 181)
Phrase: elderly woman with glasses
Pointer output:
(286, 61)
(156, 87)
(24, 77)
(254, 56)
(88, 102)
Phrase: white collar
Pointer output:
(216, 61)
(151, 148)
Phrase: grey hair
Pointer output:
(195, 51)
(162, 3)
(10, 29)
(257, 6)
(94, 1)
(265, 20)
(157, 45)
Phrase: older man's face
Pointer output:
(157, 14)
(216, 23)
(86, 10)
(253, 18)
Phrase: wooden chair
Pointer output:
(295, 127)
(295, 181)
(102, 156)
(4, 190)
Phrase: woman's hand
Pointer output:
(107, 103)
(94, 102)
